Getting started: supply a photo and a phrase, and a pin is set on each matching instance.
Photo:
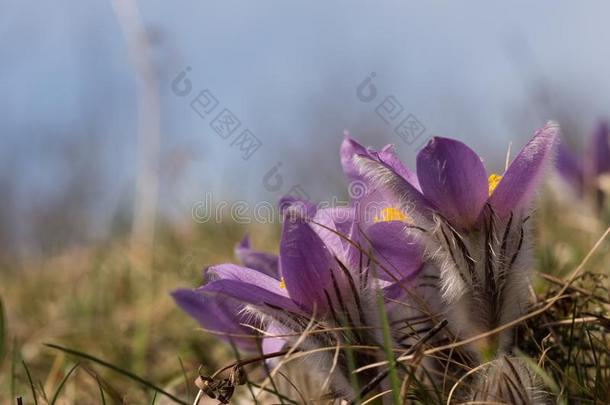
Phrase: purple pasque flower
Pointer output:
(584, 174)
(380, 223)
(472, 225)
(223, 315)
(319, 291)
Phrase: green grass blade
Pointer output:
(187, 385)
(387, 347)
(27, 371)
(351, 368)
(43, 392)
(103, 385)
(14, 368)
(62, 383)
(119, 370)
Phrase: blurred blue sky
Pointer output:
(484, 72)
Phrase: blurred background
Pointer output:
(487, 74)
(119, 119)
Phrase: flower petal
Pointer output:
(525, 172)
(598, 152)
(333, 226)
(342, 217)
(264, 262)
(252, 294)
(452, 177)
(216, 314)
(305, 264)
(398, 290)
(229, 271)
(290, 205)
(398, 254)
(395, 189)
(271, 343)
(349, 149)
(419, 292)
(388, 156)
(569, 168)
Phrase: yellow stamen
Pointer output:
(493, 181)
(282, 283)
(390, 214)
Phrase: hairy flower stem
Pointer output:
(381, 376)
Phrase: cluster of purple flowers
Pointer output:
(449, 249)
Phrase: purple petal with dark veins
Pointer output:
(305, 264)
(333, 226)
(265, 299)
(398, 254)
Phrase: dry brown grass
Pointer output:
(98, 301)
